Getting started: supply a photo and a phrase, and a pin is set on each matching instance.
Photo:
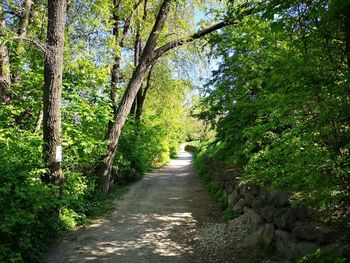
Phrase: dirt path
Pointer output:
(155, 222)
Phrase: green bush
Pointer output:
(28, 208)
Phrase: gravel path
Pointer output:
(166, 217)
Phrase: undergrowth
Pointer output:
(212, 186)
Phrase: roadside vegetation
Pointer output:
(279, 103)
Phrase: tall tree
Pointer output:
(150, 54)
(53, 65)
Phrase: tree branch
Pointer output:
(32, 41)
(179, 42)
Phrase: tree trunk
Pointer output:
(5, 77)
(119, 40)
(116, 65)
(22, 33)
(347, 34)
(114, 132)
(142, 97)
(134, 85)
(137, 57)
(53, 65)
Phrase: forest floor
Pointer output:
(166, 217)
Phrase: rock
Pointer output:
(267, 233)
(286, 245)
(306, 231)
(252, 240)
(267, 213)
(253, 218)
(238, 207)
(285, 218)
(232, 198)
(315, 232)
(263, 236)
(249, 199)
(259, 202)
(279, 198)
(284, 242)
(302, 213)
(251, 190)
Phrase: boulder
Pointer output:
(267, 213)
(232, 198)
(314, 232)
(287, 245)
(250, 190)
(260, 201)
(302, 213)
(285, 218)
(250, 199)
(252, 240)
(238, 207)
(278, 198)
(263, 236)
(267, 232)
(284, 242)
(253, 218)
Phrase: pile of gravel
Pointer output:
(218, 236)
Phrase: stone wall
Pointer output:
(291, 230)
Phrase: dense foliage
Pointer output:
(279, 101)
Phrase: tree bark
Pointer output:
(5, 77)
(53, 65)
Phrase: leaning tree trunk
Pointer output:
(133, 87)
(106, 164)
(53, 64)
(149, 55)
